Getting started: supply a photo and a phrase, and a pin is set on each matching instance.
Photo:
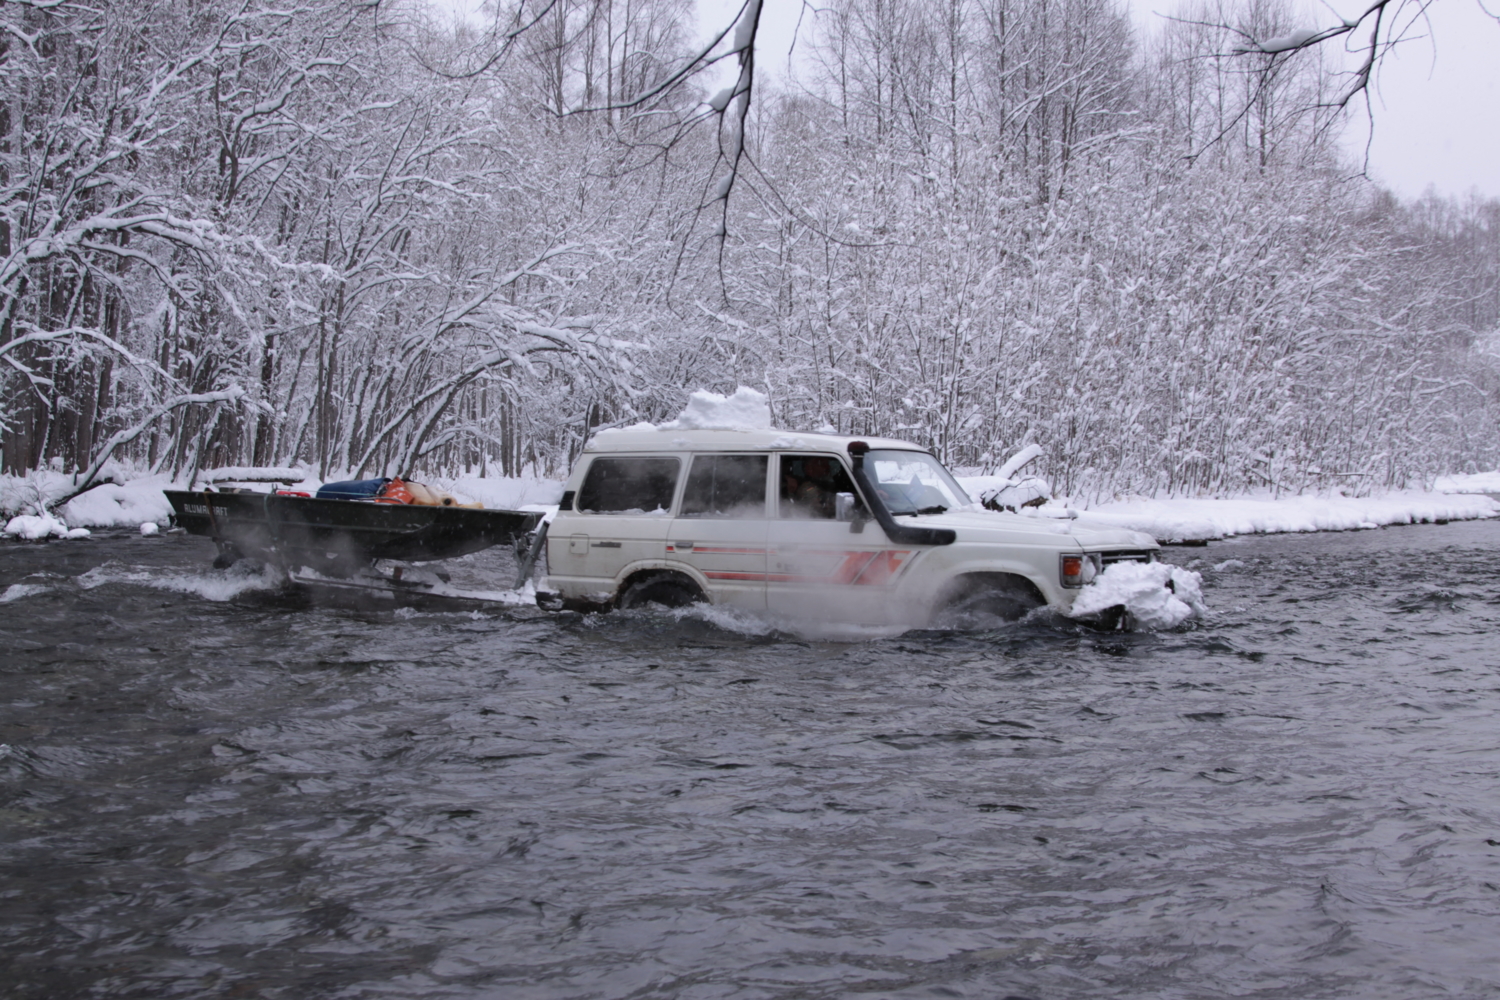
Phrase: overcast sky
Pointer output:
(1436, 106)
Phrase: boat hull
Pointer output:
(341, 535)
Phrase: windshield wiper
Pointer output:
(934, 509)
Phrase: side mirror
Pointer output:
(845, 507)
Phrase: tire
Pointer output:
(985, 601)
(670, 590)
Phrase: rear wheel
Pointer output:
(985, 600)
(670, 590)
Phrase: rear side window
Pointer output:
(726, 486)
(629, 486)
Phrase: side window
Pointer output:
(809, 484)
(629, 486)
(726, 486)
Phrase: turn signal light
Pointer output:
(1072, 571)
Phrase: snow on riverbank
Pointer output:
(109, 506)
(1185, 519)
(1481, 482)
(1196, 519)
(139, 500)
(33, 527)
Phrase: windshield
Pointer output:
(913, 482)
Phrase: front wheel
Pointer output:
(986, 601)
(670, 590)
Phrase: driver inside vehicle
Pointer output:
(809, 485)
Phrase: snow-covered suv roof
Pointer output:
(660, 439)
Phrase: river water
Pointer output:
(211, 788)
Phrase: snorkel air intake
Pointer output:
(906, 534)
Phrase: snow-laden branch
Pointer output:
(1383, 19)
(74, 333)
(232, 394)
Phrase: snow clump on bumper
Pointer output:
(1155, 595)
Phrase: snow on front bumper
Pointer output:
(1153, 595)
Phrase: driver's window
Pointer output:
(809, 485)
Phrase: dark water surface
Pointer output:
(1298, 798)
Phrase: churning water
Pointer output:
(212, 789)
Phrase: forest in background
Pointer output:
(268, 232)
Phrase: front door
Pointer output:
(720, 529)
(820, 568)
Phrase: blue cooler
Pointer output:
(354, 489)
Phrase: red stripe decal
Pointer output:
(859, 569)
(853, 565)
(881, 569)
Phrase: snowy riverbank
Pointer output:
(140, 500)
(1201, 519)
(1480, 482)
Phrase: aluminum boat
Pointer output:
(340, 537)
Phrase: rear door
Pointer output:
(720, 528)
(820, 568)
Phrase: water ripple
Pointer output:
(246, 795)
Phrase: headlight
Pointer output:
(1077, 570)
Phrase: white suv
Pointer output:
(806, 526)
